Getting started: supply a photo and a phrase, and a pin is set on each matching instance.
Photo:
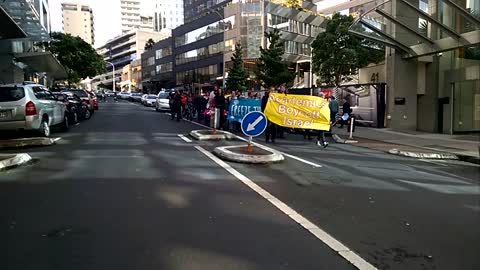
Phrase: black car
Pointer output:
(77, 109)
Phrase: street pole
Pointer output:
(310, 74)
(113, 74)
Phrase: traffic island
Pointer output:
(8, 161)
(422, 154)
(26, 142)
(204, 135)
(253, 155)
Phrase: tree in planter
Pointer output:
(237, 77)
(337, 53)
(78, 57)
(149, 44)
(272, 70)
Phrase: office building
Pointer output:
(78, 21)
(202, 48)
(24, 24)
(130, 15)
(432, 63)
(168, 14)
(122, 50)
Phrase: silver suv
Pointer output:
(30, 107)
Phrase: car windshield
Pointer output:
(163, 95)
(151, 97)
(136, 94)
(11, 93)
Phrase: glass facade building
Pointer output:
(436, 44)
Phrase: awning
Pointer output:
(9, 29)
(43, 62)
(27, 18)
(419, 33)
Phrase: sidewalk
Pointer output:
(466, 146)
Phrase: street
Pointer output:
(125, 191)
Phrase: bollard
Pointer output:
(249, 145)
(352, 120)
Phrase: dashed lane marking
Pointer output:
(184, 138)
(320, 234)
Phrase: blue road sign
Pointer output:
(254, 124)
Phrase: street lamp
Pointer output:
(113, 74)
(223, 53)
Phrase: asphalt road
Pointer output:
(124, 191)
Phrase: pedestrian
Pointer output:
(177, 106)
(220, 105)
(271, 130)
(346, 110)
(333, 105)
(281, 130)
(321, 140)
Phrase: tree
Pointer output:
(237, 77)
(272, 70)
(294, 3)
(149, 44)
(337, 53)
(78, 57)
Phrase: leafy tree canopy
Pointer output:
(149, 44)
(78, 57)
(337, 53)
(237, 77)
(272, 70)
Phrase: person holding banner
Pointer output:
(299, 112)
(271, 130)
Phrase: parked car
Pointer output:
(150, 100)
(162, 101)
(94, 99)
(76, 108)
(30, 107)
(84, 96)
(135, 97)
(109, 93)
(124, 95)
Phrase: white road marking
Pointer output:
(184, 138)
(433, 162)
(266, 148)
(323, 236)
(57, 139)
(283, 153)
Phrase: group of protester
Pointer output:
(204, 106)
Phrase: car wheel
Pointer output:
(65, 124)
(87, 114)
(44, 128)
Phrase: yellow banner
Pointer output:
(298, 111)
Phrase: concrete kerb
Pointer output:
(422, 155)
(24, 142)
(219, 135)
(225, 153)
(12, 160)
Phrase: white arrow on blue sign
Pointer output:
(254, 124)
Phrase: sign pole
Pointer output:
(249, 145)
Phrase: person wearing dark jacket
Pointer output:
(346, 110)
(177, 106)
(271, 130)
(220, 104)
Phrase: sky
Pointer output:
(106, 16)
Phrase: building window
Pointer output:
(163, 68)
(151, 61)
(206, 31)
